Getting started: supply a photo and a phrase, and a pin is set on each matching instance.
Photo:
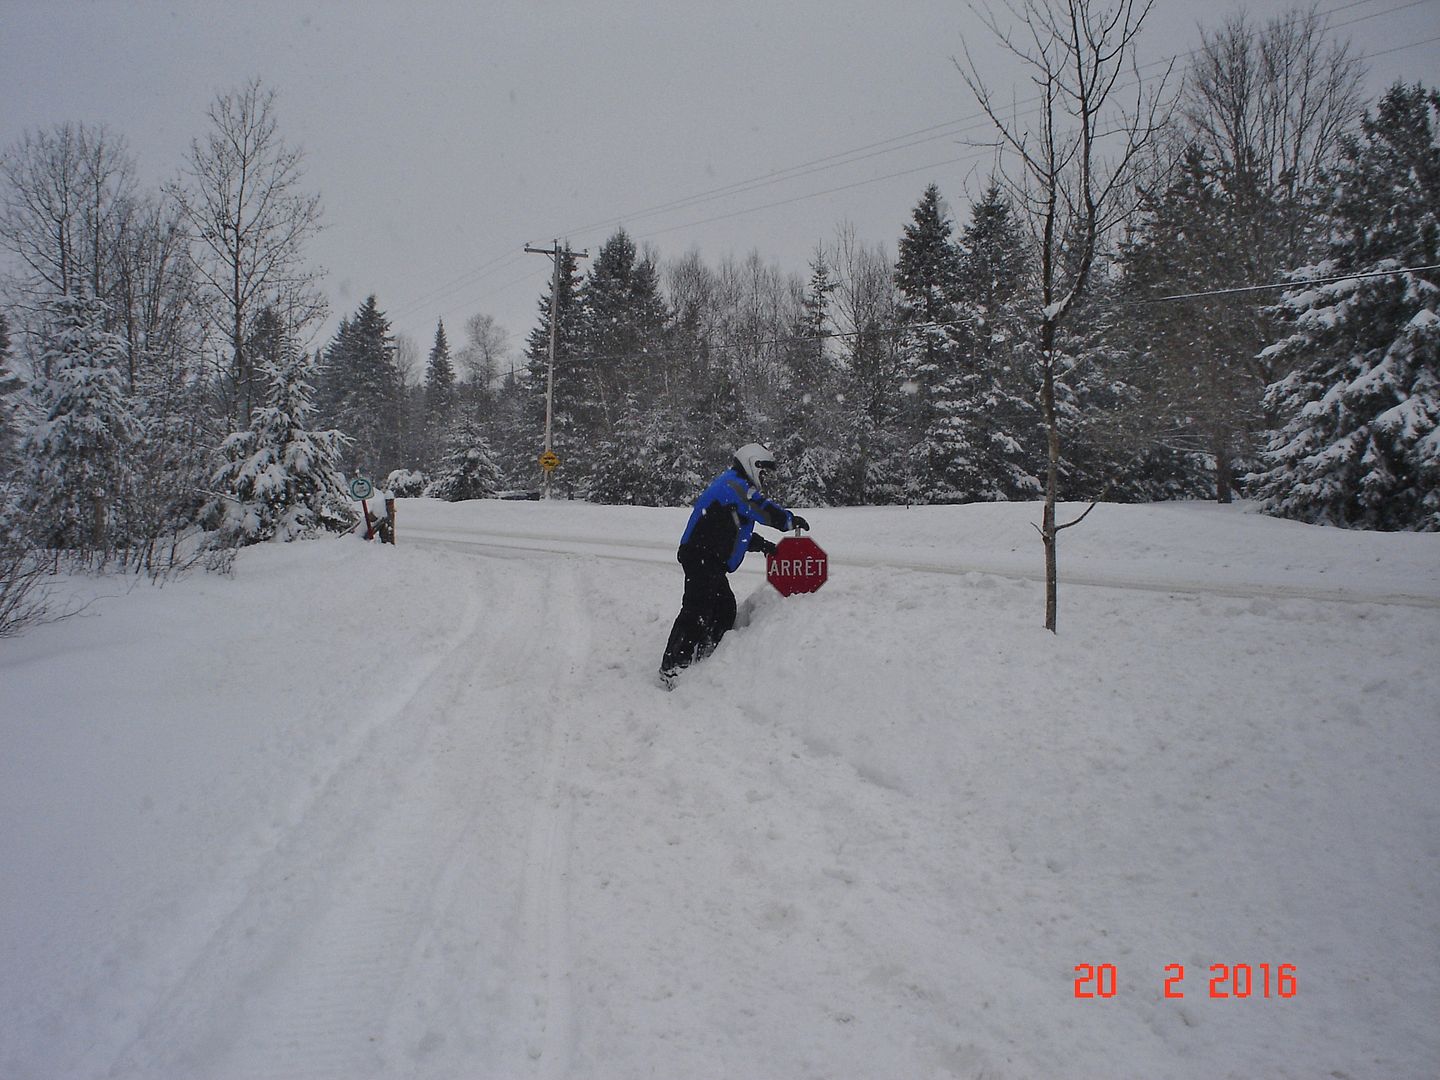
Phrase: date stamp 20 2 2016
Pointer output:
(1241, 981)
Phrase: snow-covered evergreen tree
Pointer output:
(529, 389)
(468, 470)
(79, 475)
(622, 346)
(927, 276)
(442, 398)
(280, 479)
(997, 402)
(648, 460)
(10, 387)
(364, 390)
(1359, 445)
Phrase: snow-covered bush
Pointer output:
(22, 592)
(405, 483)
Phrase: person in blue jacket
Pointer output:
(716, 538)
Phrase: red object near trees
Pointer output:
(799, 565)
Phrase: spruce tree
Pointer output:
(926, 275)
(79, 477)
(998, 403)
(1359, 442)
(468, 469)
(623, 330)
(442, 398)
(651, 458)
(365, 390)
(10, 386)
(514, 436)
(623, 341)
(874, 445)
(568, 404)
(280, 479)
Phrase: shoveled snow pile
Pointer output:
(421, 811)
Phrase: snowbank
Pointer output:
(419, 811)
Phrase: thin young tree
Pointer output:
(1069, 164)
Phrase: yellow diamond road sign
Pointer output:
(549, 459)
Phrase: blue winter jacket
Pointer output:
(724, 517)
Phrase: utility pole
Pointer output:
(548, 458)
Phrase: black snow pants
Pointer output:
(707, 611)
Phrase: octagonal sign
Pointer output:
(799, 565)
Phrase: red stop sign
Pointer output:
(798, 565)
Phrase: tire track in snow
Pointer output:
(551, 1036)
(298, 980)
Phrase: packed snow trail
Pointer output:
(419, 812)
(435, 823)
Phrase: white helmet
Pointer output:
(752, 460)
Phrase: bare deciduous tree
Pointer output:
(64, 193)
(1270, 106)
(1069, 169)
(1262, 114)
(249, 223)
(484, 352)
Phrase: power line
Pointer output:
(983, 121)
(1402, 48)
(958, 126)
(964, 124)
(1287, 284)
(811, 195)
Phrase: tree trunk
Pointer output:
(1224, 467)
(1049, 534)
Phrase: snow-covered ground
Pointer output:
(420, 811)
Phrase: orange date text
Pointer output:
(1240, 981)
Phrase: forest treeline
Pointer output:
(155, 378)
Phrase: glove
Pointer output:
(760, 544)
(798, 523)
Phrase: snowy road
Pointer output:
(634, 548)
(419, 812)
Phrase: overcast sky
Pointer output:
(443, 135)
